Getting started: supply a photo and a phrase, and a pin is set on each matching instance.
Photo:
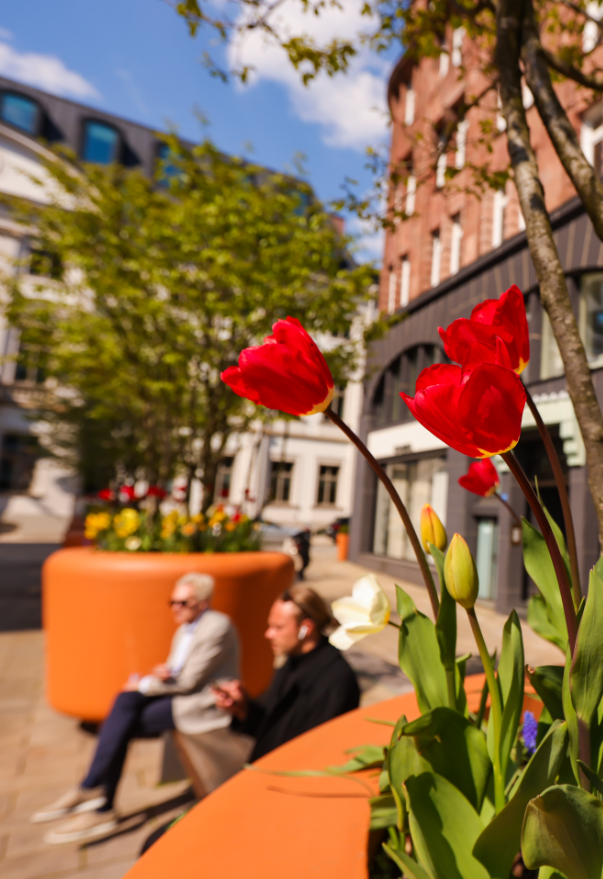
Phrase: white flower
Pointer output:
(363, 613)
(133, 543)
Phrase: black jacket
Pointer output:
(306, 691)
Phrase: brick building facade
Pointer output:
(450, 249)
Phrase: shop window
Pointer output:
(327, 485)
(280, 481)
(101, 143)
(20, 112)
(418, 483)
(551, 364)
(486, 557)
(591, 317)
(223, 479)
(19, 455)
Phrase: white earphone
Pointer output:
(302, 633)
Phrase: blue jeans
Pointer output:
(133, 716)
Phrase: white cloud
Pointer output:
(4, 34)
(350, 108)
(44, 71)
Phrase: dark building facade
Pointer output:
(426, 471)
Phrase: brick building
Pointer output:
(450, 250)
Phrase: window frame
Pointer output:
(280, 469)
(36, 104)
(119, 142)
(330, 484)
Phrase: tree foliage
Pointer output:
(164, 281)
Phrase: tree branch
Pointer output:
(585, 79)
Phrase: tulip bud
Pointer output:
(432, 530)
(460, 573)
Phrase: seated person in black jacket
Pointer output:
(314, 684)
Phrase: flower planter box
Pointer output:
(106, 616)
(294, 827)
(343, 545)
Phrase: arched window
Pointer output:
(401, 375)
(100, 144)
(19, 111)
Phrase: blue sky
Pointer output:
(135, 58)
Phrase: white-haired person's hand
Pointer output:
(231, 697)
(162, 672)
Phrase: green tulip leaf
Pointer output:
(454, 748)
(384, 812)
(368, 757)
(446, 621)
(592, 776)
(547, 680)
(563, 829)
(550, 624)
(409, 867)
(550, 873)
(444, 827)
(498, 844)
(586, 674)
(559, 538)
(402, 761)
(511, 675)
(419, 654)
(571, 718)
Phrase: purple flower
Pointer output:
(529, 732)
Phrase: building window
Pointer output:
(501, 200)
(486, 557)
(551, 364)
(591, 137)
(461, 144)
(444, 62)
(591, 317)
(223, 479)
(391, 291)
(456, 238)
(404, 282)
(458, 35)
(409, 107)
(45, 264)
(441, 170)
(167, 169)
(591, 35)
(411, 191)
(327, 485)
(20, 112)
(19, 455)
(30, 365)
(418, 483)
(436, 258)
(101, 143)
(280, 481)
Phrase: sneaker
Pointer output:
(83, 828)
(78, 799)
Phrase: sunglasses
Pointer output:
(173, 603)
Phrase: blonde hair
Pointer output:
(201, 584)
(310, 605)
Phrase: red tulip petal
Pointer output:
(234, 379)
(438, 374)
(436, 409)
(490, 408)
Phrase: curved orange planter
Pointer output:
(293, 827)
(106, 617)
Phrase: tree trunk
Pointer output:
(549, 272)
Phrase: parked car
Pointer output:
(332, 529)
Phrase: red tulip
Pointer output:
(482, 478)
(477, 412)
(287, 372)
(105, 494)
(156, 491)
(128, 492)
(504, 318)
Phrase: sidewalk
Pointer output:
(42, 752)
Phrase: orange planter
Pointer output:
(343, 545)
(106, 616)
(293, 827)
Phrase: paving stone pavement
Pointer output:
(42, 753)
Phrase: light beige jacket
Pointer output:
(214, 654)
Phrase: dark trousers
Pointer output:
(133, 716)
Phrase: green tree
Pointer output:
(163, 283)
(539, 42)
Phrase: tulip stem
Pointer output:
(397, 502)
(510, 509)
(495, 707)
(395, 625)
(547, 532)
(563, 497)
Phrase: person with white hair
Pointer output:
(176, 695)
